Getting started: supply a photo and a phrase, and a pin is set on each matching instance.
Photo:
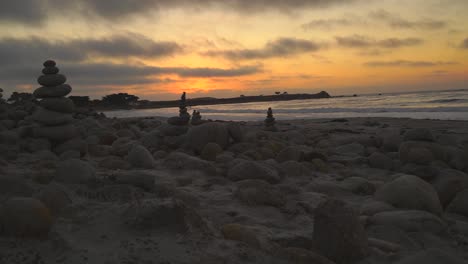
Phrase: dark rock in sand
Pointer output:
(410, 192)
(418, 134)
(245, 170)
(55, 91)
(25, 217)
(338, 232)
(63, 105)
(75, 171)
(50, 80)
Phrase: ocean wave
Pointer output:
(444, 101)
(336, 110)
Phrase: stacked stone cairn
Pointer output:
(55, 112)
(196, 118)
(270, 121)
(184, 117)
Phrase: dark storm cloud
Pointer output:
(407, 63)
(36, 11)
(35, 49)
(282, 47)
(359, 41)
(398, 22)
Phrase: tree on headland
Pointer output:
(80, 101)
(120, 99)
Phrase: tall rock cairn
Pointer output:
(184, 117)
(270, 121)
(55, 112)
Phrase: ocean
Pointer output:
(443, 105)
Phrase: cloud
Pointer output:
(360, 41)
(326, 24)
(282, 47)
(36, 49)
(37, 11)
(407, 63)
(398, 22)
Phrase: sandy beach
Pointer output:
(139, 190)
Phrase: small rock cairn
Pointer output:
(55, 112)
(196, 118)
(270, 121)
(184, 117)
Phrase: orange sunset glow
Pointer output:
(156, 49)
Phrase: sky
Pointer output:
(156, 49)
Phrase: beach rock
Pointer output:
(410, 221)
(420, 152)
(426, 172)
(213, 132)
(56, 133)
(245, 170)
(107, 138)
(51, 79)
(210, 151)
(358, 185)
(381, 161)
(235, 132)
(448, 183)
(241, 233)
(338, 233)
(456, 158)
(421, 156)
(374, 207)
(49, 63)
(76, 144)
(75, 171)
(140, 157)
(290, 153)
(55, 197)
(459, 204)
(259, 192)
(63, 105)
(70, 154)
(25, 217)
(418, 134)
(140, 179)
(55, 91)
(171, 130)
(152, 141)
(432, 256)
(351, 149)
(391, 140)
(13, 186)
(410, 192)
(51, 118)
(114, 163)
(122, 146)
(37, 144)
(182, 161)
(295, 169)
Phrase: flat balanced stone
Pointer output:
(56, 133)
(51, 118)
(50, 70)
(50, 80)
(49, 63)
(63, 105)
(56, 91)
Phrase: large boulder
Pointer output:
(418, 134)
(75, 171)
(25, 217)
(199, 136)
(448, 183)
(409, 220)
(338, 232)
(459, 205)
(420, 152)
(140, 157)
(410, 192)
(245, 170)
